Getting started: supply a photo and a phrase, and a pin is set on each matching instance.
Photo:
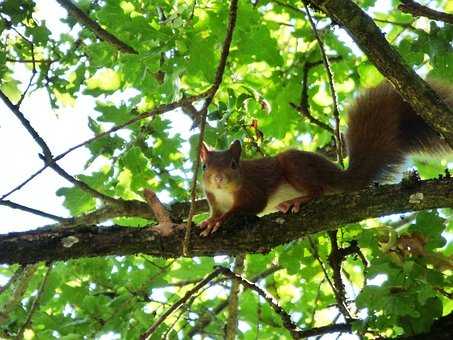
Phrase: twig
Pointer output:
(285, 317)
(340, 303)
(34, 211)
(13, 279)
(417, 10)
(315, 302)
(158, 110)
(204, 110)
(207, 317)
(26, 123)
(174, 307)
(156, 206)
(20, 285)
(335, 261)
(30, 61)
(35, 303)
(47, 154)
(101, 33)
(304, 106)
(289, 6)
(232, 321)
(340, 327)
(336, 114)
(166, 225)
(33, 74)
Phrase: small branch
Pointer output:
(289, 6)
(232, 15)
(20, 285)
(311, 118)
(336, 114)
(33, 74)
(304, 106)
(26, 124)
(12, 279)
(341, 327)
(101, 33)
(30, 61)
(34, 211)
(157, 207)
(147, 334)
(47, 157)
(417, 10)
(285, 317)
(233, 310)
(166, 225)
(341, 304)
(83, 186)
(206, 318)
(35, 303)
(158, 110)
(335, 261)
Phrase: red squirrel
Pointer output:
(382, 130)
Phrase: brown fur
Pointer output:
(382, 130)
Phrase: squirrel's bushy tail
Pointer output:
(382, 130)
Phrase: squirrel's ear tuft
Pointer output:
(204, 151)
(236, 149)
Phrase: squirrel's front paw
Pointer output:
(210, 226)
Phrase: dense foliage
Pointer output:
(398, 276)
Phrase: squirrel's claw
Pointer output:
(293, 205)
(209, 226)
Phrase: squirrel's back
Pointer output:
(383, 128)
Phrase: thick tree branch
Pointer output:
(240, 235)
(417, 10)
(370, 39)
(101, 33)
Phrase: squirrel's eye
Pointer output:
(204, 166)
(234, 164)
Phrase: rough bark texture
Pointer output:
(372, 42)
(237, 236)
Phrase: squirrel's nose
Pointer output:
(219, 178)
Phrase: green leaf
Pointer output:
(76, 200)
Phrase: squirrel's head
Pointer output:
(221, 169)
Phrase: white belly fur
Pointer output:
(283, 193)
(223, 198)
